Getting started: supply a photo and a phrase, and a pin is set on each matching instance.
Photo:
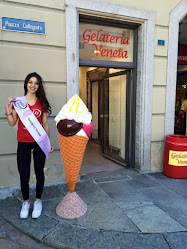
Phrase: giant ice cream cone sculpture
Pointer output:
(74, 127)
(72, 151)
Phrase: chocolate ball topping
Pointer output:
(68, 127)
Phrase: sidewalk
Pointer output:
(126, 210)
(12, 238)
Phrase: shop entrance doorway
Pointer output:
(108, 99)
(109, 87)
(108, 95)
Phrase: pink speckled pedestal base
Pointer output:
(71, 206)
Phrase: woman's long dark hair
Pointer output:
(40, 92)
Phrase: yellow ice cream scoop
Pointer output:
(76, 104)
(75, 109)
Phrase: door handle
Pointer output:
(104, 116)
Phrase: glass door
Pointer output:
(116, 120)
(110, 99)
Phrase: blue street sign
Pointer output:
(20, 25)
(161, 42)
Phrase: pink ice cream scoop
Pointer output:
(88, 129)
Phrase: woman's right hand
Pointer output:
(11, 116)
(9, 101)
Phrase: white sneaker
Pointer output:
(25, 210)
(37, 210)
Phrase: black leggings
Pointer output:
(24, 161)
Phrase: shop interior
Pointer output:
(103, 90)
(181, 85)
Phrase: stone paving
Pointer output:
(126, 210)
(12, 238)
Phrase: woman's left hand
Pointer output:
(52, 149)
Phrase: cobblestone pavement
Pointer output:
(12, 238)
(126, 210)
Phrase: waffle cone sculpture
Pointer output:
(74, 127)
(72, 152)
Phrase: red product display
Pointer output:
(175, 158)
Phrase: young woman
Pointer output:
(39, 105)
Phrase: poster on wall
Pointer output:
(182, 54)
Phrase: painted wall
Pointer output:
(162, 8)
(23, 53)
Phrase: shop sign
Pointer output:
(177, 158)
(161, 42)
(92, 37)
(20, 25)
(182, 54)
(105, 43)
